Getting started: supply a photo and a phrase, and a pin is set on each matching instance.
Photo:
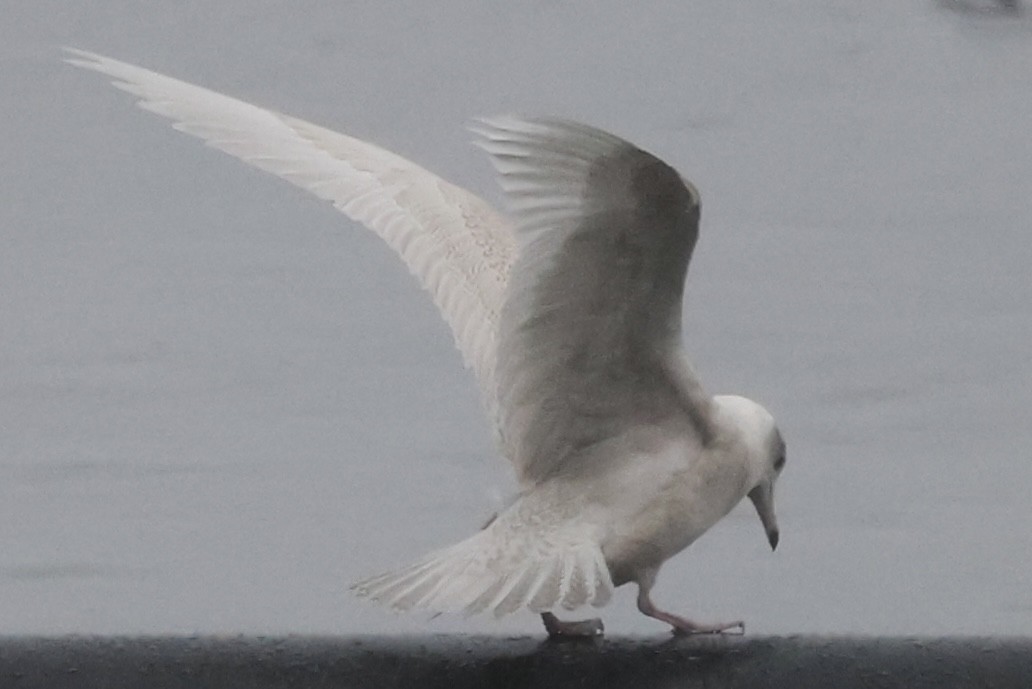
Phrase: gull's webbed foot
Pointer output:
(685, 627)
(581, 629)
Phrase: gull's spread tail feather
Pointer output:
(517, 562)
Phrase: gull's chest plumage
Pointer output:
(661, 505)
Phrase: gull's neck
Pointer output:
(742, 430)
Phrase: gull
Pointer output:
(568, 310)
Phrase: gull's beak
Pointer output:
(762, 497)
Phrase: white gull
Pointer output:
(569, 314)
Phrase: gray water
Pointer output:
(221, 401)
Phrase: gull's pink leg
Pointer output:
(582, 629)
(682, 626)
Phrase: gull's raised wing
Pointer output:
(455, 244)
(589, 337)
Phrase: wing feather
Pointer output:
(581, 342)
(589, 337)
(455, 244)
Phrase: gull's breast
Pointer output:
(660, 504)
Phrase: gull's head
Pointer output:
(765, 455)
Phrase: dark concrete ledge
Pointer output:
(458, 662)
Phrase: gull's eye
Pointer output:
(779, 463)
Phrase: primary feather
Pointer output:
(455, 244)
